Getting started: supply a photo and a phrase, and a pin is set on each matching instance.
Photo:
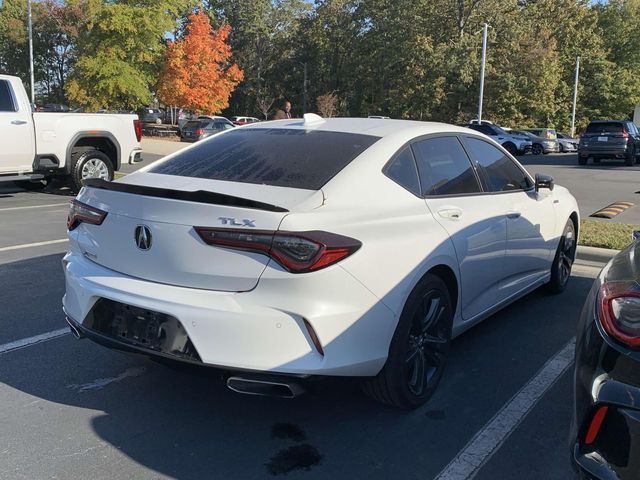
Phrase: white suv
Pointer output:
(514, 144)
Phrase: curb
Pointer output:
(591, 255)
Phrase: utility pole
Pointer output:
(304, 90)
(484, 61)
(30, 27)
(575, 98)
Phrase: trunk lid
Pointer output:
(169, 207)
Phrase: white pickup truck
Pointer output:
(38, 146)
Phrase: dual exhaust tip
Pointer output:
(248, 386)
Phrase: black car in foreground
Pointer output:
(606, 421)
(610, 139)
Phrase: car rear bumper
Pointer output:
(606, 377)
(268, 329)
(610, 152)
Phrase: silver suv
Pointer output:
(514, 144)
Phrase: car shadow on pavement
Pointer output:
(185, 423)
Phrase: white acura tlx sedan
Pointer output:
(289, 250)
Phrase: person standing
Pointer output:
(284, 113)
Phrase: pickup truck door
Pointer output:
(16, 131)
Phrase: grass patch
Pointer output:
(606, 234)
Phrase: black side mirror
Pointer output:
(544, 181)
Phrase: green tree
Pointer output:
(120, 54)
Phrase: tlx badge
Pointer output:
(245, 222)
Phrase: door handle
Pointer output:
(451, 213)
(513, 214)
(18, 122)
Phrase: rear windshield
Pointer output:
(195, 124)
(605, 127)
(270, 156)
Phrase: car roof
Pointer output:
(365, 126)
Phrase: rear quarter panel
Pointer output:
(400, 238)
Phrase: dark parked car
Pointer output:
(606, 418)
(203, 127)
(54, 107)
(152, 115)
(539, 145)
(609, 139)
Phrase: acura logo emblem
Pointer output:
(143, 237)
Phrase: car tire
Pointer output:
(536, 149)
(630, 159)
(563, 261)
(418, 350)
(86, 164)
(511, 148)
(582, 160)
(560, 148)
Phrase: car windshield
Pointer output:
(605, 127)
(278, 157)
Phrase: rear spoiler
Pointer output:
(198, 196)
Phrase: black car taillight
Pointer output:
(619, 311)
(298, 252)
(81, 212)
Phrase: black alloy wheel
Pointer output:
(428, 342)
(563, 261)
(419, 348)
(537, 149)
(511, 148)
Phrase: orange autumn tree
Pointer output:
(196, 73)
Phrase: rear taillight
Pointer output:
(298, 252)
(82, 213)
(137, 126)
(619, 312)
(200, 131)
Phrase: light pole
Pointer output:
(304, 90)
(30, 27)
(484, 61)
(575, 97)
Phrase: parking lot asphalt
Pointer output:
(75, 410)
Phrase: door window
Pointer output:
(6, 99)
(444, 168)
(402, 170)
(497, 171)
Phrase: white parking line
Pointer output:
(490, 438)
(26, 342)
(50, 205)
(30, 245)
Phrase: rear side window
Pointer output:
(6, 100)
(498, 172)
(304, 159)
(605, 127)
(402, 170)
(444, 167)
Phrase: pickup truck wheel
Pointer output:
(90, 164)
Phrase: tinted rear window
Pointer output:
(195, 124)
(605, 127)
(277, 157)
